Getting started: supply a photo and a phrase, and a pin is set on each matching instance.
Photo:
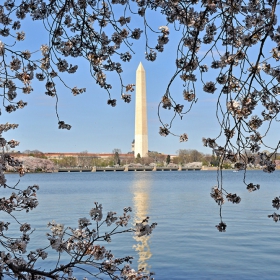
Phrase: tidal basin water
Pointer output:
(186, 243)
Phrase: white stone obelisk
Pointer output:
(141, 126)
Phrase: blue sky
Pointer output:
(97, 127)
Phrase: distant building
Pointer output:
(92, 155)
(132, 146)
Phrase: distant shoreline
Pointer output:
(112, 170)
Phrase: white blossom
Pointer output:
(2, 48)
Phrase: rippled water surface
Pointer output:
(186, 243)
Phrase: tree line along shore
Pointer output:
(37, 161)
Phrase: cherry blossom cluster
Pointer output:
(85, 245)
(275, 204)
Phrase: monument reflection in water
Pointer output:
(140, 189)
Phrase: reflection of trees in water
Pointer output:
(140, 189)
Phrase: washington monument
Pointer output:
(141, 127)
